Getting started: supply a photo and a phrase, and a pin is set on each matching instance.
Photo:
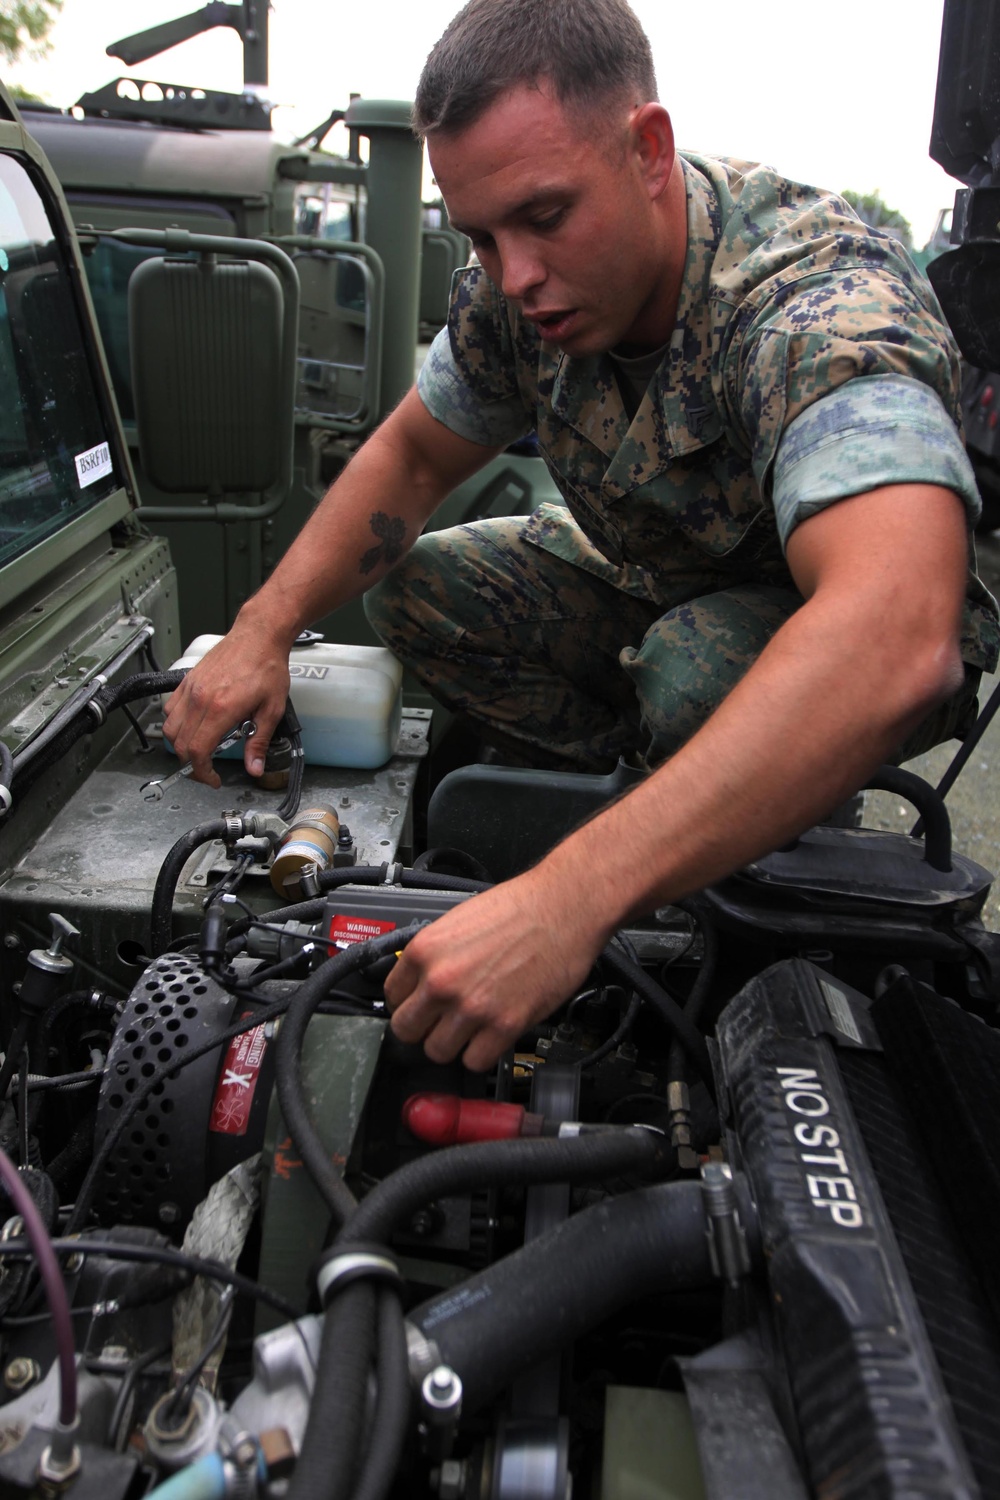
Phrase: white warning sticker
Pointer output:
(93, 464)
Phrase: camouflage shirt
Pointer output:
(754, 419)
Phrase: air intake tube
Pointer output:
(539, 1299)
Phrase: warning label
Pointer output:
(347, 930)
(236, 1088)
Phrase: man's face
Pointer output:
(562, 221)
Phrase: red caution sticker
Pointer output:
(344, 931)
(238, 1084)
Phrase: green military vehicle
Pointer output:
(724, 1226)
(374, 279)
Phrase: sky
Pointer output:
(838, 96)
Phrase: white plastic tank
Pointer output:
(348, 699)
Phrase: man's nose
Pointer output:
(522, 270)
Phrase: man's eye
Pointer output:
(549, 221)
(481, 243)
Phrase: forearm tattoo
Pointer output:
(391, 531)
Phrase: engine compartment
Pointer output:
(705, 1232)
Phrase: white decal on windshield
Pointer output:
(93, 464)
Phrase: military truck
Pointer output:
(724, 1226)
(373, 277)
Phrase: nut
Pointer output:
(20, 1374)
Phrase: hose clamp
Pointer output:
(6, 800)
(234, 828)
(393, 874)
(728, 1250)
(344, 1266)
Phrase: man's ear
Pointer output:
(652, 138)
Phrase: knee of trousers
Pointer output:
(417, 607)
(692, 658)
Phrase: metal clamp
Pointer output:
(728, 1250)
(352, 1265)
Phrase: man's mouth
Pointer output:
(554, 325)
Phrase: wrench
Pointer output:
(152, 791)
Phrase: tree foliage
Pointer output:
(25, 25)
(876, 213)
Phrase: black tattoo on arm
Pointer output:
(391, 531)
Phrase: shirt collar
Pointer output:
(682, 416)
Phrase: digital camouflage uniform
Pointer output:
(619, 621)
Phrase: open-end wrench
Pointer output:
(152, 791)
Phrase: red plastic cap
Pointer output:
(447, 1120)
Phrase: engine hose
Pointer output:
(579, 1159)
(460, 1169)
(12, 1056)
(92, 999)
(328, 1461)
(288, 1063)
(41, 754)
(694, 1005)
(538, 1300)
(170, 870)
(683, 1028)
(392, 1408)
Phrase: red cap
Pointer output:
(447, 1120)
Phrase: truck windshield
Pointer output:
(55, 459)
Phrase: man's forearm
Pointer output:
(370, 516)
(805, 727)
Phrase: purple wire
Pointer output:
(55, 1288)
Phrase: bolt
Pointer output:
(20, 1374)
(451, 1479)
(442, 1392)
(345, 801)
(422, 1223)
(168, 1213)
(543, 1044)
(12, 941)
(344, 840)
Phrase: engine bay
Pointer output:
(723, 1226)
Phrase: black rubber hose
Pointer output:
(288, 1064)
(934, 820)
(91, 999)
(29, 766)
(684, 1030)
(460, 1169)
(12, 1056)
(392, 1406)
(328, 1462)
(695, 1003)
(539, 1299)
(166, 880)
(619, 1034)
(139, 685)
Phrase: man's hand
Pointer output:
(243, 677)
(481, 975)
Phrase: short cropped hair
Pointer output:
(588, 49)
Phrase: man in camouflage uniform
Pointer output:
(762, 574)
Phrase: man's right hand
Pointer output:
(244, 677)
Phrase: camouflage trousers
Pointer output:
(559, 669)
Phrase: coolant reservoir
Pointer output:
(348, 699)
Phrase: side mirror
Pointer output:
(340, 332)
(213, 325)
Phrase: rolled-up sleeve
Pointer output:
(870, 432)
(450, 397)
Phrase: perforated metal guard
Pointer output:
(158, 1172)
